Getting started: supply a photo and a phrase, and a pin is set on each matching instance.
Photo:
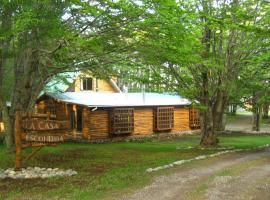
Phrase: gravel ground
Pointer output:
(204, 182)
(244, 123)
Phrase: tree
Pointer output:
(265, 110)
(253, 85)
(204, 46)
(40, 39)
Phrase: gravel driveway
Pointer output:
(244, 123)
(237, 176)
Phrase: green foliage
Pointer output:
(42, 40)
(170, 44)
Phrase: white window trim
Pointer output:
(81, 80)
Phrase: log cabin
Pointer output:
(102, 115)
(96, 109)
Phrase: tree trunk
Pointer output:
(233, 109)
(209, 136)
(5, 15)
(220, 121)
(256, 115)
(212, 120)
(265, 110)
(218, 111)
(9, 139)
(9, 133)
(28, 82)
(256, 112)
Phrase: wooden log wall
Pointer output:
(143, 121)
(105, 86)
(86, 123)
(181, 120)
(99, 124)
(96, 124)
(77, 84)
(61, 109)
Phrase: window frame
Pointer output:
(194, 118)
(51, 107)
(88, 80)
(164, 118)
(122, 121)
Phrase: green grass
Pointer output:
(244, 141)
(108, 170)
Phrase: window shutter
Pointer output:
(122, 121)
(194, 118)
(164, 118)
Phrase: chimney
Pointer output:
(143, 93)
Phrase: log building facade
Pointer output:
(97, 116)
(96, 109)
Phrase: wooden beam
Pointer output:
(31, 155)
(48, 115)
(38, 145)
(32, 145)
(18, 141)
(39, 115)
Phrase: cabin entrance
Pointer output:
(76, 119)
(72, 119)
(79, 119)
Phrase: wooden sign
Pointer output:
(40, 124)
(37, 130)
(44, 138)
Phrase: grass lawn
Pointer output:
(107, 170)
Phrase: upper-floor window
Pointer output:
(86, 84)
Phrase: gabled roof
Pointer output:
(94, 99)
(88, 73)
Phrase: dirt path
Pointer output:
(244, 123)
(238, 176)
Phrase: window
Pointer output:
(50, 108)
(72, 119)
(194, 118)
(86, 84)
(164, 118)
(79, 119)
(122, 121)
